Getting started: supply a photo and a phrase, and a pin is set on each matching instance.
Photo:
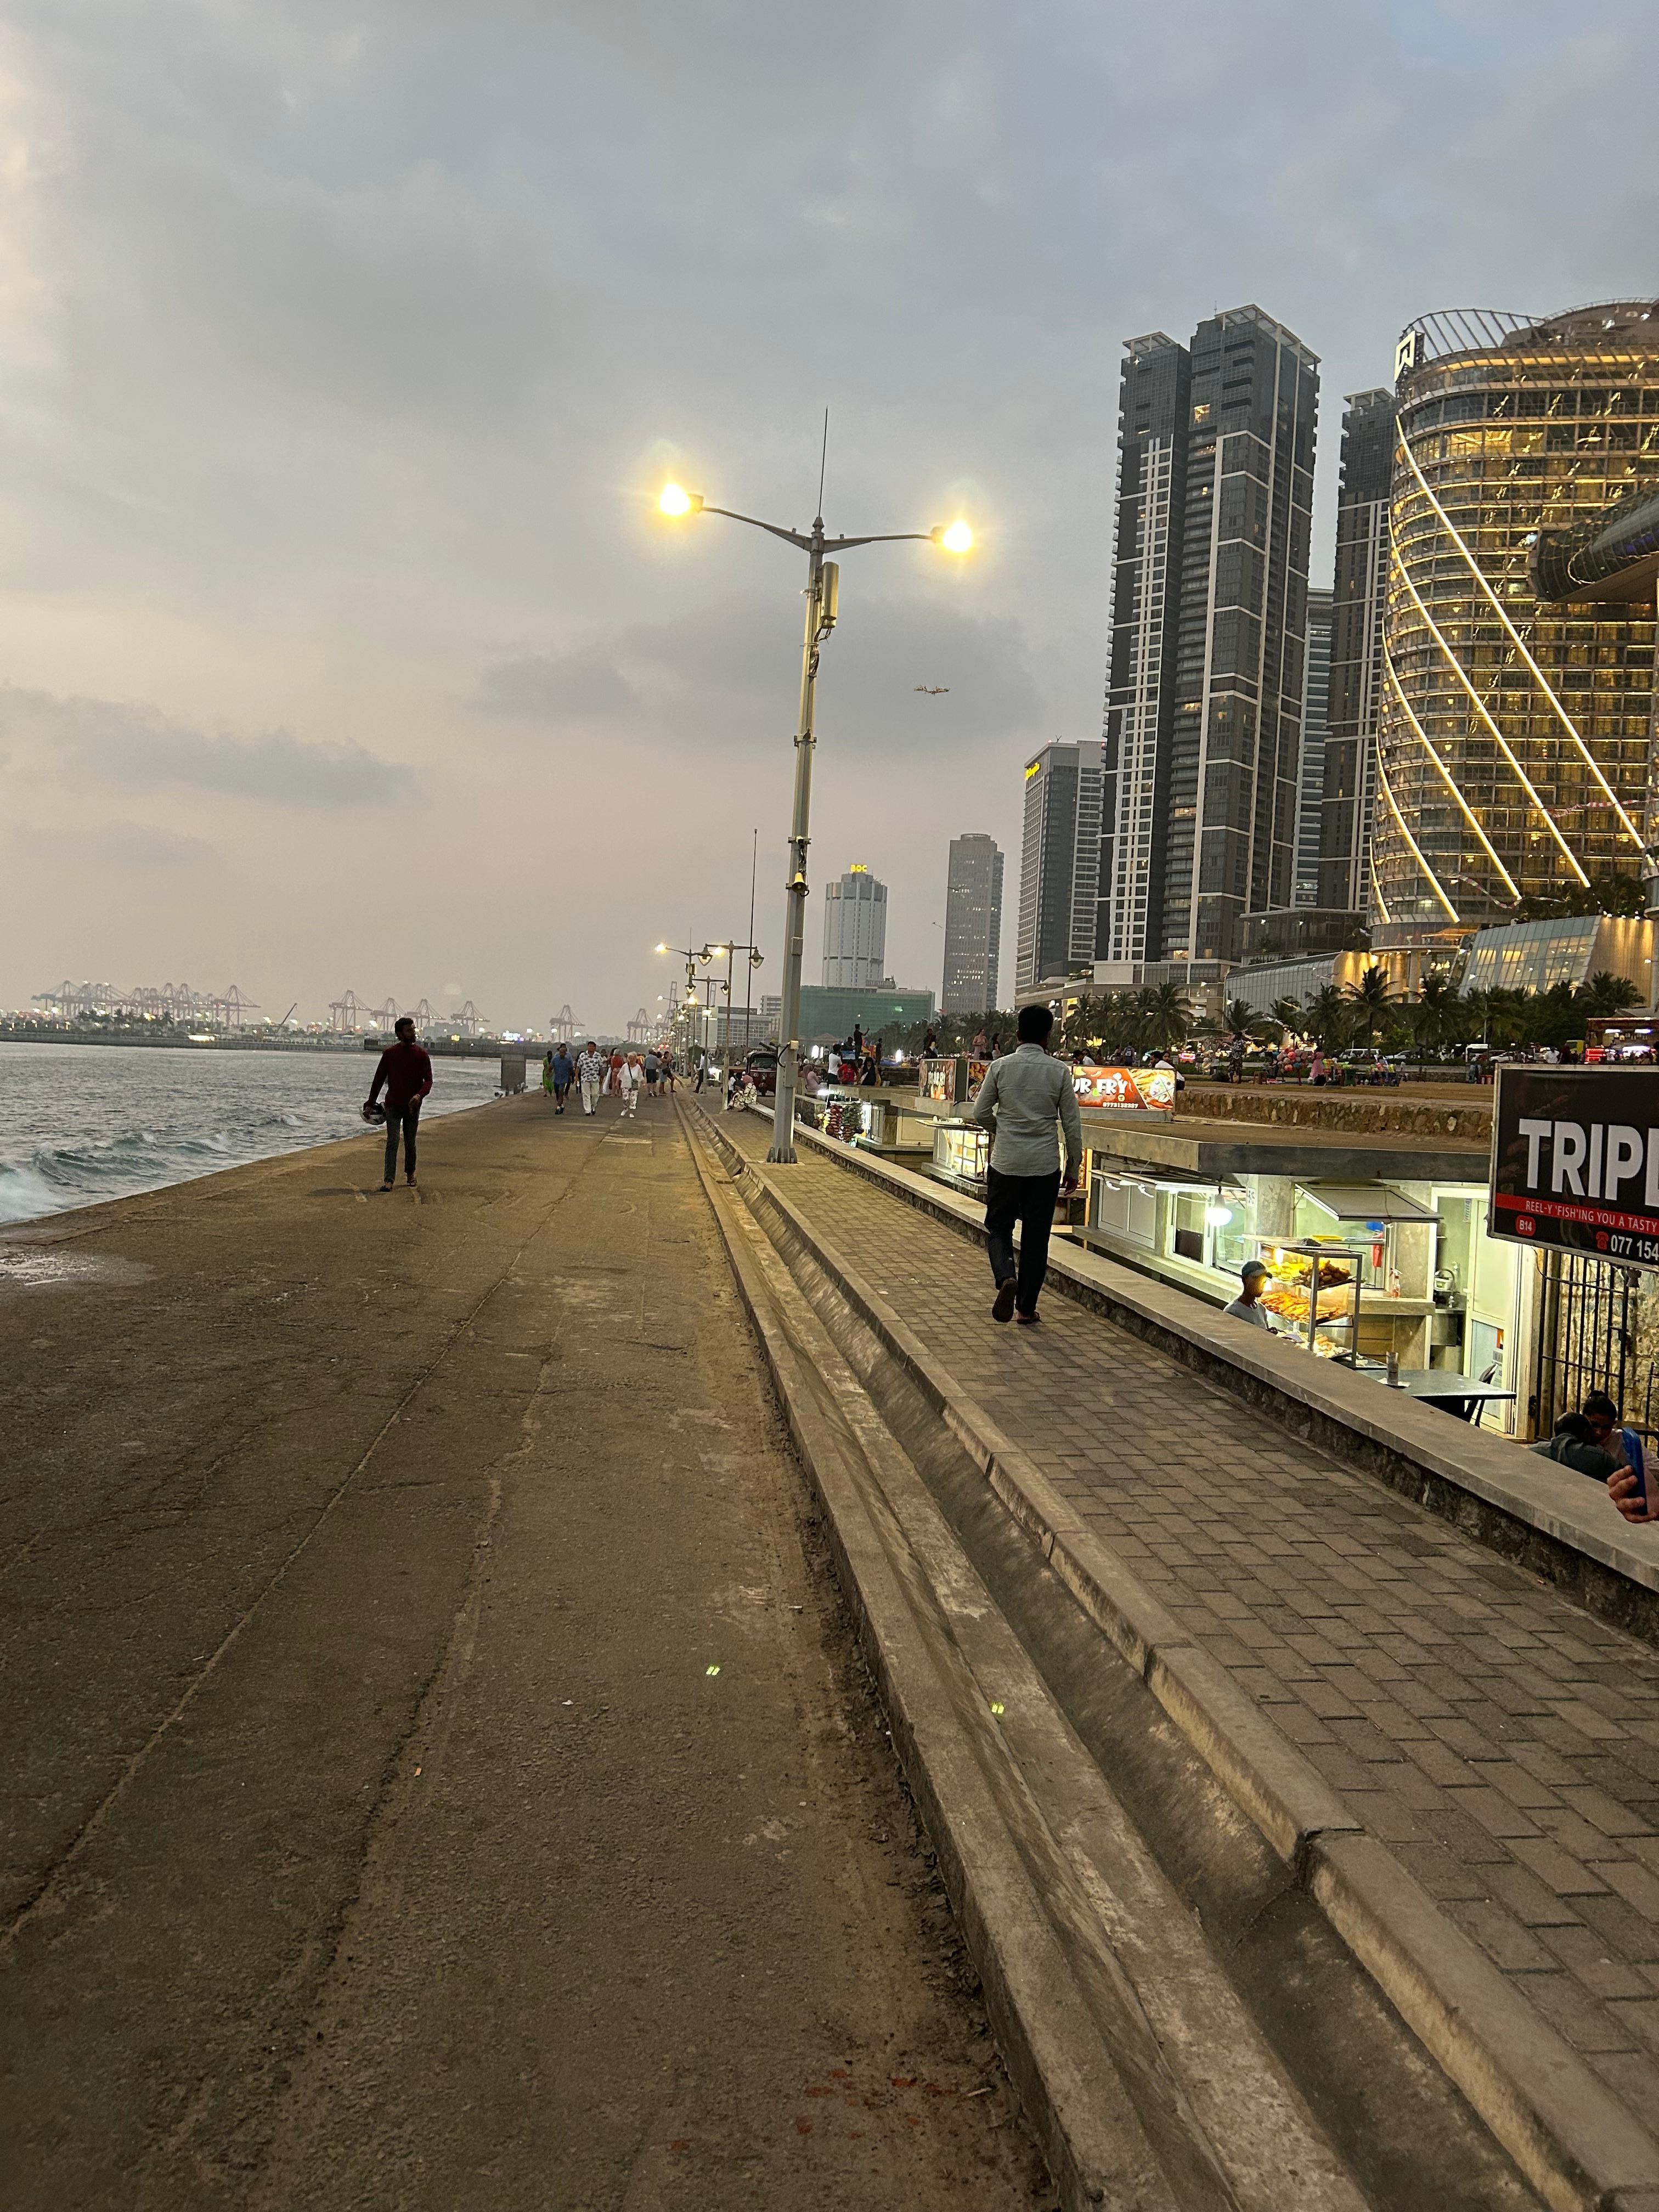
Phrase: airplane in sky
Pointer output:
(932, 690)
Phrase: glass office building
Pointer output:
(1514, 733)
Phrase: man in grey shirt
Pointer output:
(1021, 1100)
(1254, 1277)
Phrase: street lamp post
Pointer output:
(822, 593)
(731, 948)
(684, 952)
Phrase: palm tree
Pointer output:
(1242, 1020)
(1434, 1012)
(1607, 993)
(1372, 1003)
(1328, 1018)
(1167, 1013)
(1288, 1014)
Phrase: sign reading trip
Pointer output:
(1575, 1161)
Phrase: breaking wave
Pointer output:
(80, 1125)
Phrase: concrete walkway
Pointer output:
(1504, 1745)
(438, 1771)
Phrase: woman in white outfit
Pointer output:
(629, 1077)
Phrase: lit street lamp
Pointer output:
(823, 590)
(690, 1001)
(757, 959)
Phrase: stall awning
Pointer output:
(1364, 1201)
(1146, 1177)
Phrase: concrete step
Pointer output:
(1201, 1887)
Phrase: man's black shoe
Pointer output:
(1003, 1310)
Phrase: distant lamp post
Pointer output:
(823, 596)
(691, 1000)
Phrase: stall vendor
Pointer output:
(1254, 1279)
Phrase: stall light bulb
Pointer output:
(1218, 1216)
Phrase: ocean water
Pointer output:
(80, 1123)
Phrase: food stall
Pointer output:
(961, 1153)
(1189, 1201)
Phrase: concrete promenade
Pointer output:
(1502, 1745)
(439, 1774)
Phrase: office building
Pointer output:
(1356, 676)
(829, 1015)
(973, 924)
(854, 931)
(1059, 862)
(1204, 697)
(1316, 711)
(1515, 728)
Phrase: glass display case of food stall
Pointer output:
(961, 1153)
(1315, 1291)
(1397, 1235)
(852, 1114)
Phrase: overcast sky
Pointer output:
(343, 347)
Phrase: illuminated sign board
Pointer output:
(1036, 768)
(1405, 354)
(1575, 1161)
(1139, 1089)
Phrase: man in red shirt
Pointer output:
(406, 1072)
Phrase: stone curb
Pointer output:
(1574, 2141)
(1552, 1523)
(1042, 2030)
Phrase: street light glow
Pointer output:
(674, 501)
(662, 948)
(958, 539)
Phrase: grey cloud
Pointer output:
(136, 747)
(738, 662)
(557, 687)
(114, 848)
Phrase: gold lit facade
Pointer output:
(1514, 739)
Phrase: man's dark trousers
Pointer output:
(1029, 1200)
(405, 1119)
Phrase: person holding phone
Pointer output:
(1028, 1103)
(1628, 1485)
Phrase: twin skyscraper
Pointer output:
(1207, 800)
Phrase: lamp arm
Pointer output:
(777, 529)
(891, 537)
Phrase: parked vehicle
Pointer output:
(762, 1067)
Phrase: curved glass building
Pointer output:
(1515, 723)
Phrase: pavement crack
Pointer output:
(41, 1895)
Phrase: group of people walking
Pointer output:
(593, 1073)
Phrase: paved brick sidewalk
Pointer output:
(1502, 1743)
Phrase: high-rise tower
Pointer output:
(855, 930)
(973, 924)
(1356, 692)
(1515, 734)
(1315, 719)
(1203, 702)
(1154, 412)
(1059, 862)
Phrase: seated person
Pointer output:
(1574, 1445)
(1254, 1279)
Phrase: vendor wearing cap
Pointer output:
(1254, 1277)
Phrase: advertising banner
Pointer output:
(1575, 1161)
(1148, 1089)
